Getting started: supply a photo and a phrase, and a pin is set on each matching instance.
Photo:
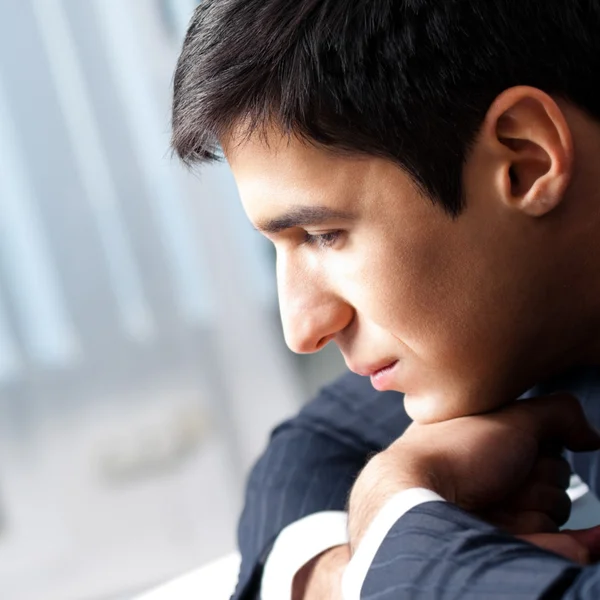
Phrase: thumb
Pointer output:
(581, 546)
(589, 538)
(558, 417)
(560, 543)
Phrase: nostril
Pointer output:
(323, 342)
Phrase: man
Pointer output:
(302, 482)
(427, 173)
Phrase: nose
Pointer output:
(311, 313)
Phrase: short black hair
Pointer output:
(408, 80)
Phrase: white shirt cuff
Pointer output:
(395, 508)
(296, 545)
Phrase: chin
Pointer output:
(435, 408)
(427, 408)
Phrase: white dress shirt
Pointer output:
(296, 545)
(305, 539)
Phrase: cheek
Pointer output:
(406, 289)
(434, 304)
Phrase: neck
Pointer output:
(583, 287)
(579, 246)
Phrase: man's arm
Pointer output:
(310, 465)
(436, 550)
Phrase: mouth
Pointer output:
(381, 379)
(381, 375)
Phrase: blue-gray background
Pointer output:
(141, 359)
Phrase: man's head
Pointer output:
(424, 170)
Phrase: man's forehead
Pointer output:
(290, 168)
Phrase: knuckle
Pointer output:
(543, 523)
(554, 471)
(543, 507)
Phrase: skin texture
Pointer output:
(465, 473)
(533, 509)
(322, 576)
(475, 309)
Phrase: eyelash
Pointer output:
(322, 240)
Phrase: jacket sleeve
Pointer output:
(310, 465)
(437, 551)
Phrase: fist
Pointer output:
(479, 463)
(540, 505)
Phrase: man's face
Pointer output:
(451, 306)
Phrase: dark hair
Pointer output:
(409, 80)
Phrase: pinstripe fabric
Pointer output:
(311, 463)
(435, 551)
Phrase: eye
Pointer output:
(321, 240)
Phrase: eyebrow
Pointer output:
(303, 216)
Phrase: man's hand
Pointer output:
(582, 546)
(475, 462)
(322, 577)
(534, 513)
(541, 505)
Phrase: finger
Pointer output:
(524, 523)
(555, 471)
(543, 498)
(557, 417)
(560, 543)
(590, 538)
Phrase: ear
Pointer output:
(533, 149)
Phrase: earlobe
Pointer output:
(535, 149)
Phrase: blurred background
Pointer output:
(141, 359)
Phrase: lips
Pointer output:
(372, 371)
(382, 373)
(383, 379)
(387, 367)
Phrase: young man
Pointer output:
(427, 171)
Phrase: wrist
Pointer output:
(322, 576)
(381, 480)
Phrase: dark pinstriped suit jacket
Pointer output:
(436, 550)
